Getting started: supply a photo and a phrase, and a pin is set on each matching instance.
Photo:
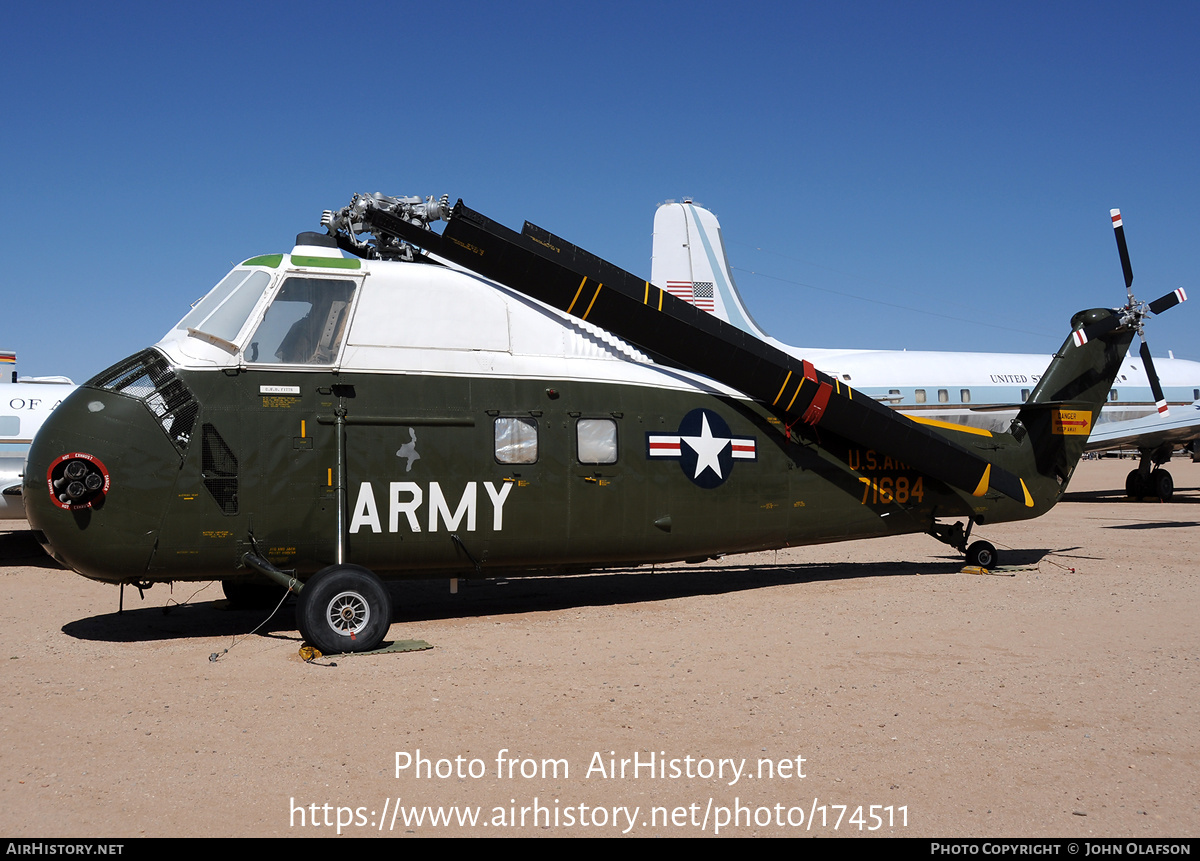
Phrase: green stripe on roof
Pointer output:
(268, 260)
(327, 262)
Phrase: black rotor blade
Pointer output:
(1087, 333)
(1172, 299)
(565, 276)
(1160, 400)
(1122, 249)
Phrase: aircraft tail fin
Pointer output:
(688, 261)
(1061, 412)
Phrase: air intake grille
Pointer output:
(220, 469)
(147, 377)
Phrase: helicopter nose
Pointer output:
(97, 483)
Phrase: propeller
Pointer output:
(1134, 314)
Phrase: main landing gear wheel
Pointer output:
(1158, 484)
(1163, 484)
(1133, 485)
(344, 608)
(983, 555)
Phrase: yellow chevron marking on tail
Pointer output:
(982, 487)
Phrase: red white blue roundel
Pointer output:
(703, 446)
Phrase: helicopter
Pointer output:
(387, 401)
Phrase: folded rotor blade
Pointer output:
(564, 276)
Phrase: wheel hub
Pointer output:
(348, 613)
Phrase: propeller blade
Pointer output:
(1160, 400)
(1122, 249)
(1172, 299)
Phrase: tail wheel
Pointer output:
(344, 608)
(982, 554)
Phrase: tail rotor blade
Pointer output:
(1087, 333)
(1160, 400)
(1172, 299)
(1122, 249)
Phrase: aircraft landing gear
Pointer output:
(1145, 481)
(981, 554)
(344, 608)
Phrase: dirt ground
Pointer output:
(867, 687)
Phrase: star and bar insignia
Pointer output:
(703, 446)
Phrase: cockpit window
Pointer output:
(305, 324)
(224, 310)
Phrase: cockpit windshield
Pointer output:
(224, 310)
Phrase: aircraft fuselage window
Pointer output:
(305, 323)
(1112, 394)
(516, 440)
(1024, 395)
(943, 396)
(1196, 394)
(965, 394)
(597, 440)
(919, 396)
(10, 425)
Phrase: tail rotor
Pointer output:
(1134, 314)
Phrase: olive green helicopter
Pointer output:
(388, 401)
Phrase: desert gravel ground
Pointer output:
(1055, 699)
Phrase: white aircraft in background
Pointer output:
(976, 389)
(24, 405)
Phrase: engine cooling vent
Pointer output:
(220, 469)
(147, 377)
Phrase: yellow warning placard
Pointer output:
(1069, 422)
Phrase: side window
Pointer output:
(596, 440)
(943, 396)
(305, 323)
(516, 440)
(919, 396)
(965, 395)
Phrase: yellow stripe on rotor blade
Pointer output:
(951, 426)
(781, 388)
(593, 302)
(982, 487)
(1028, 498)
(577, 292)
(796, 393)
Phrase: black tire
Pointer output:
(344, 608)
(1163, 484)
(251, 594)
(1133, 486)
(983, 554)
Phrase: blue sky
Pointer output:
(892, 175)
